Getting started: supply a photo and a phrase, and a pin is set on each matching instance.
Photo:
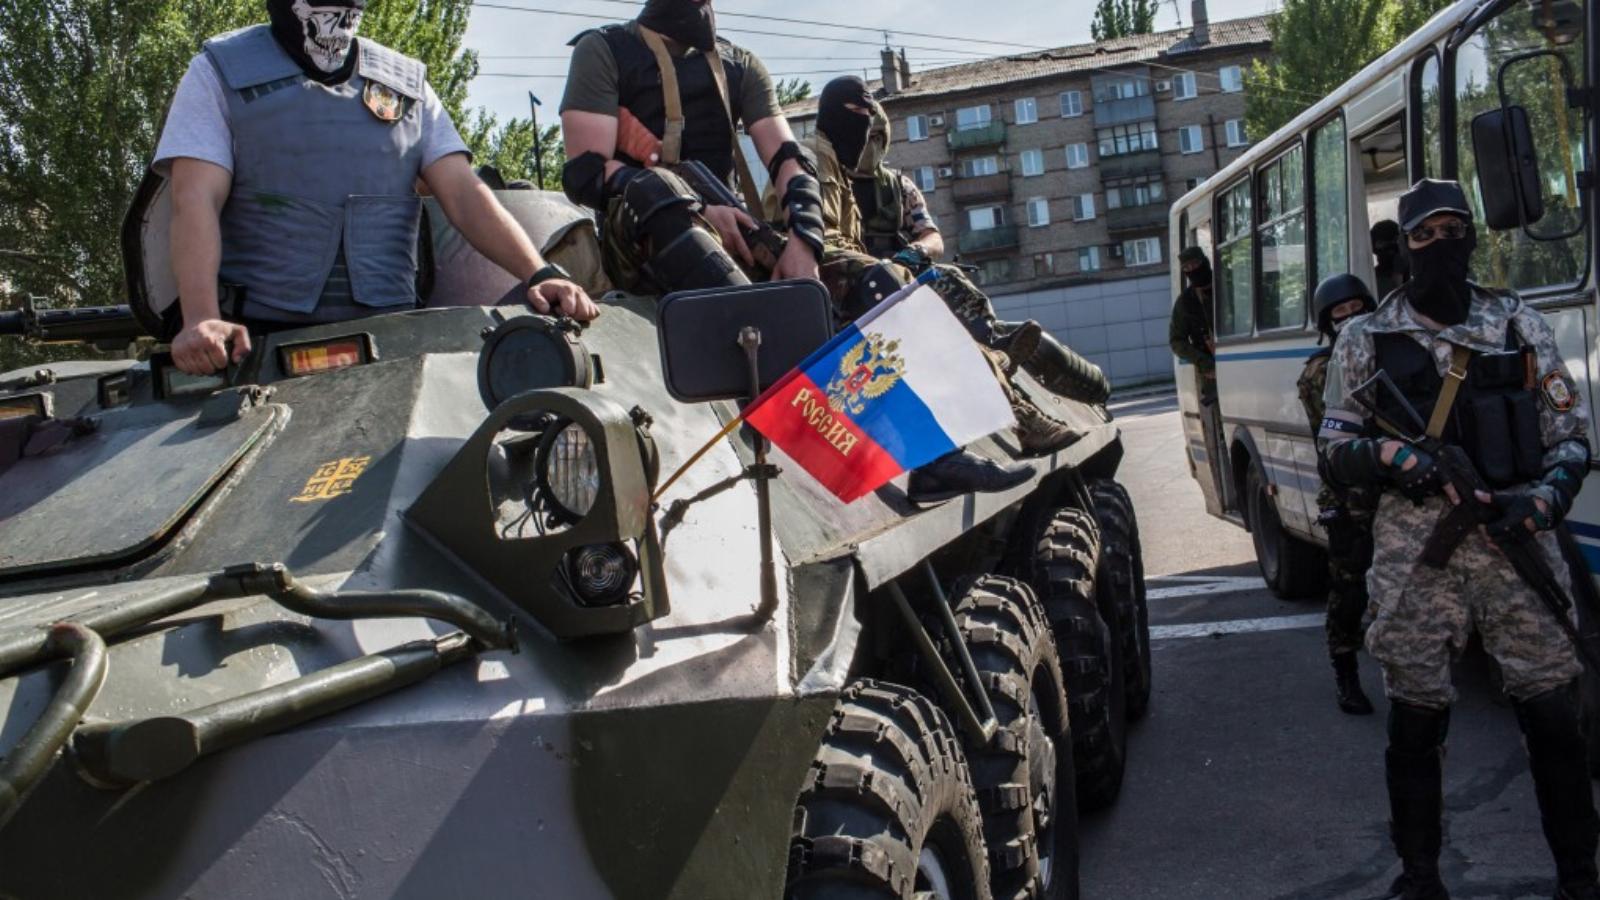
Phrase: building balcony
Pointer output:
(982, 187)
(988, 240)
(1129, 165)
(1137, 218)
(990, 135)
(1121, 112)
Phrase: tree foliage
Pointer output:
(84, 87)
(1318, 45)
(792, 90)
(1123, 18)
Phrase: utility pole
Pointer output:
(538, 142)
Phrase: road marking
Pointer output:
(1197, 586)
(1236, 626)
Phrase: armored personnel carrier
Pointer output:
(389, 610)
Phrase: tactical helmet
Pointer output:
(1334, 290)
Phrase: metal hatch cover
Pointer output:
(110, 495)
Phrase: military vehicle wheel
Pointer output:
(1025, 775)
(1064, 564)
(1291, 567)
(1121, 578)
(888, 810)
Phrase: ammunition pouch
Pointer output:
(583, 179)
(873, 286)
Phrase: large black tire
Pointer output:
(1062, 572)
(888, 811)
(1292, 568)
(1121, 580)
(1025, 775)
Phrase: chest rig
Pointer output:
(1495, 417)
(883, 219)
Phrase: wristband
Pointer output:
(1400, 457)
(550, 272)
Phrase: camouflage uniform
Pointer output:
(1347, 514)
(1421, 617)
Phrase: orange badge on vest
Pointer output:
(384, 102)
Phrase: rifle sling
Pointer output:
(1457, 376)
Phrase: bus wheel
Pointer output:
(888, 810)
(1062, 572)
(1121, 580)
(1291, 567)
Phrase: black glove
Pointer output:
(1516, 507)
(1419, 482)
(914, 258)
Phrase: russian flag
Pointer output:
(902, 386)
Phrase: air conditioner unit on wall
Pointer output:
(1163, 86)
(936, 120)
(946, 172)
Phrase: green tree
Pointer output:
(1123, 18)
(1318, 45)
(792, 90)
(84, 86)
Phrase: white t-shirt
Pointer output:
(198, 128)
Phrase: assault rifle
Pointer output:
(113, 326)
(1456, 470)
(766, 244)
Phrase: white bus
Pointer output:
(1299, 205)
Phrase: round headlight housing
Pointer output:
(569, 471)
(602, 574)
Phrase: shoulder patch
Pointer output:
(1559, 392)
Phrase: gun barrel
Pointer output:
(76, 324)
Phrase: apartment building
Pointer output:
(1053, 172)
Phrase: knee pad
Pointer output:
(873, 286)
(658, 204)
(691, 259)
(1417, 729)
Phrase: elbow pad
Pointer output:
(1354, 463)
(583, 180)
(803, 201)
(790, 150)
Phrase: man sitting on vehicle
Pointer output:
(294, 151)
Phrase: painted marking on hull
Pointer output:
(1237, 626)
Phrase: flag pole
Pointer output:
(698, 455)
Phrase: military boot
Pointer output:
(1038, 433)
(1347, 686)
(1414, 769)
(1556, 756)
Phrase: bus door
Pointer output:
(1202, 426)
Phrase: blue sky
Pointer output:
(501, 34)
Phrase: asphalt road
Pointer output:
(1245, 781)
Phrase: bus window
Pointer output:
(1330, 205)
(1510, 258)
(1235, 300)
(1383, 171)
(1283, 242)
(1426, 97)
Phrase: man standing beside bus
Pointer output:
(1345, 513)
(1190, 332)
(1485, 369)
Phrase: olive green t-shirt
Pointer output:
(592, 80)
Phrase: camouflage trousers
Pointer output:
(1422, 617)
(1349, 556)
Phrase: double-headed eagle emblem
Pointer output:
(867, 372)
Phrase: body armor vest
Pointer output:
(884, 230)
(707, 131)
(322, 220)
(1496, 414)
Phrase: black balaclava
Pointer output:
(845, 128)
(1438, 287)
(319, 35)
(1201, 277)
(691, 22)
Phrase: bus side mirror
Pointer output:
(1503, 143)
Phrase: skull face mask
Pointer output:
(318, 35)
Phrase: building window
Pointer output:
(1044, 265)
(984, 218)
(1125, 88)
(1032, 163)
(1236, 136)
(1191, 139)
(916, 128)
(923, 176)
(1139, 193)
(1077, 156)
(1089, 259)
(1038, 212)
(1141, 252)
(1083, 207)
(1190, 184)
(970, 117)
(1027, 111)
(995, 271)
(1120, 140)
(1232, 78)
(979, 166)
(1071, 104)
(1183, 86)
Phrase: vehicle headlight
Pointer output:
(569, 472)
